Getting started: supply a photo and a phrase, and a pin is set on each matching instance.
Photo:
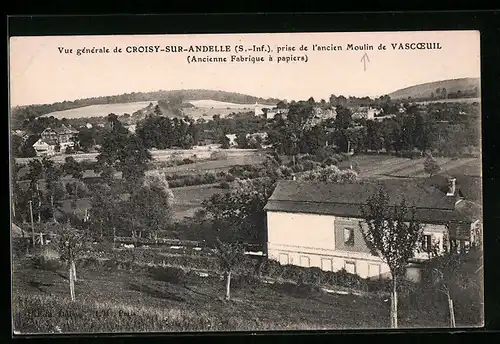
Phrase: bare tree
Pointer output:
(391, 235)
(229, 255)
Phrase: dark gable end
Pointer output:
(346, 199)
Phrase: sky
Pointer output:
(41, 74)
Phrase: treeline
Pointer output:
(21, 113)
(448, 129)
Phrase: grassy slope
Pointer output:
(424, 90)
(122, 301)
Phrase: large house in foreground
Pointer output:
(55, 139)
(317, 224)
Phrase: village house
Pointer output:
(232, 140)
(366, 112)
(316, 224)
(54, 140)
(270, 112)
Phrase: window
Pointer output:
(326, 264)
(348, 237)
(427, 243)
(350, 267)
(374, 270)
(304, 261)
(283, 259)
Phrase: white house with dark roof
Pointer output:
(316, 224)
(50, 138)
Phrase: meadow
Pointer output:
(121, 301)
(206, 109)
(384, 166)
(101, 110)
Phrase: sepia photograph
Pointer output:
(246, 182)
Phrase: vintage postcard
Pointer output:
(246, 182)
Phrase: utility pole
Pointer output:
(32, 224)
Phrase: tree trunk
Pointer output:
(228, 286)
(32, 224)
(394, 304)
(73, 269)
(114, 237)
(13, 208)
(53, 208)
(71, 282)
(452, 311)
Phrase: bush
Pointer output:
(224, 185)
(167, 274)
(187, 161)
(331, 161)
(47, 259)
(218, 155)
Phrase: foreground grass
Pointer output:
(120, 301)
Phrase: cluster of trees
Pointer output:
(443, 93)
(44, 189)
(239, 124)
(163, 132)
(359, 101)
(446, 129)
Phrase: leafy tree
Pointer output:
(71, 243)
(103, 211)
(391, 233)
(152, 203)
(228, 255)
(431, 167)
(52, 175)
(224, 141)
(124, 152)
(74, 169)
(35, 194)
(238, 215)
(242, 141)
(86, 139)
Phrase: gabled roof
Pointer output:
(65, 130)
(346, 199)
(47, 141)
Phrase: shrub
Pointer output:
(47, 259)
(224, 185)
(187, 161)
(167, 274)
(218, 155)
(331, 161)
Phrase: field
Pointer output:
(100, 110)
(380, 166)
(118, 300)
(208, 108)
(208, 103)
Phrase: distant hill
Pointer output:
(20, 113)
(455, 88)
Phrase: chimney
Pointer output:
(451, 186)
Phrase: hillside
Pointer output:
(20, 113)
(455, 88)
